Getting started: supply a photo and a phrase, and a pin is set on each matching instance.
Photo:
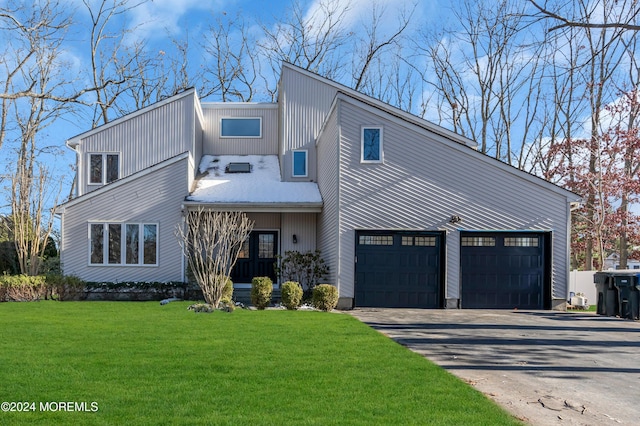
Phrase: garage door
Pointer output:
(504, 270)
(398, 269)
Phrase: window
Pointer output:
(419, 241)
(478, 241)
(521, 242)
(241, 127)
(266, 246)
(299, 163)
(376, 240)
(123, 243)
(103, 168)
(371, 144)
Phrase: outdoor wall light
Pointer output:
(295, 239)
(455, 219)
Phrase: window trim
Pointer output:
(103, 177)
(241, 137)
(380, 145)
(306, 162)
(123, 246)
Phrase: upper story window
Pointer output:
(300, 163)
(241, 127)
(103, 168)
(371, 144)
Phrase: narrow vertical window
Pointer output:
(96, 238)
(95, 171)
(300, 163)
(371, 145)
(132, 244)
(112, 168)
(150, 244)
(266, 246)
(114, 243)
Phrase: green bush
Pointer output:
(325, 297)
(261, 288)
(227, 291)
(22, 288)
(291, 293)
(66, 287)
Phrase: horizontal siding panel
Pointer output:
(423, 182)
(153, 198)
(213, 144)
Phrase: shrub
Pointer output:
(23, 288)
(227, 291)
(66, 287)
(305, 268)
(325, 297)
(291, 293)
(261, 288)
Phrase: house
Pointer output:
(404, 212)
(613, 262)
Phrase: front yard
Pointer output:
(142, 363)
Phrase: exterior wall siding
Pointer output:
(306, 101)
(422, 183)
(328, 221)
(213, 144)
(153, 198)
(142, 140)
(303, 226)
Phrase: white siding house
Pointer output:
(405, 213)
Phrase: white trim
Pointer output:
(239, 105)
(258, 207)
(240, 137)
(123, 256)
(104, 167)
(380, 145)
(306, 163)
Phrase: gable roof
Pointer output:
(447, 137)
(75, 140)
(123, 181)
(407, 116)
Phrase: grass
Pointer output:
(142, 363)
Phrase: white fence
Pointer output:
(582, 282)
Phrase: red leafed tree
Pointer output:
(607, 223)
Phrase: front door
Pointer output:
(257, 257)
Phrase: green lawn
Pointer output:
(142, 363)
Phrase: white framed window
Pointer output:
(371, 140)
(104, 168)
(133, 244)
(300, 163)
(241, 127)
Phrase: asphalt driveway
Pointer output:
(545, 367)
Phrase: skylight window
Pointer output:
(238, 168)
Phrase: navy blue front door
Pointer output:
(257, 257)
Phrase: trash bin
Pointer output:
(618, 293)
(627, 295)
(607, 297)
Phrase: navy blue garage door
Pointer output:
(398, 269)
(505, 270)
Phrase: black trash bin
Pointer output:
(618, 293)
(607, 294)
(627, 295)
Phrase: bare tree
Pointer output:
(479, 72)
(211, 242)
(627, 18)
(312, 41)
(231, 71)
